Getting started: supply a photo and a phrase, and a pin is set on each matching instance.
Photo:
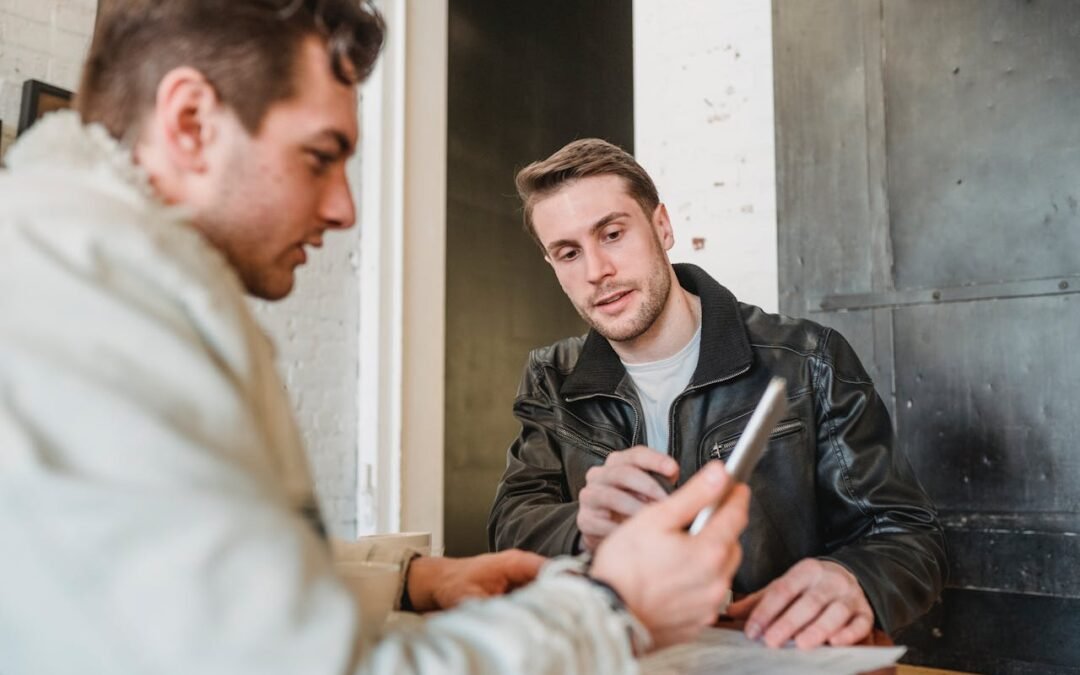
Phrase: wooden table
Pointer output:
(920, 670)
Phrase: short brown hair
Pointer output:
(581, 159)
(247, 49)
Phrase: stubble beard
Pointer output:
(656, 289)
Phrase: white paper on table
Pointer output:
(721, 650)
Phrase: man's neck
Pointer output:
(671, 331)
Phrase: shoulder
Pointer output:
(561, 356)
(778, 331)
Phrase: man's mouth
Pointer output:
(612, 298)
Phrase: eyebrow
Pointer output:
(596, 227)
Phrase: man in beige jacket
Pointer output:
(156, 511)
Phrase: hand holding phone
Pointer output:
(752, 443)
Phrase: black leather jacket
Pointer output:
(831, 485)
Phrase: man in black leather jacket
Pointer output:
(841, 535)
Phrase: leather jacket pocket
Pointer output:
(722, 447)
(594, 439)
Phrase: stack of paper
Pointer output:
(720, 650)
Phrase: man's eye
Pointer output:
(568, 255)
(321, 160)
(612, 235)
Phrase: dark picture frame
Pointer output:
(39, 98)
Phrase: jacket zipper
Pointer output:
(671, 413)
(672, 431)
(781, 430)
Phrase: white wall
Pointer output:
(703, 111)
(316, 333)
(41, 40)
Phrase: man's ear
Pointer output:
(186, 117)
(663, 227)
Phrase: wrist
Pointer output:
(420, 582)
(638, 635)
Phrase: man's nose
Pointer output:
(337, 209)
(598, 265)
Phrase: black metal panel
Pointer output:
(986, 403)
(1017, 556)
(983, 139)
(927, 158)
(1006, 633)
(827, 203)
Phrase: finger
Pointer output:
(835, 617)
(728, 522)
(777, 597)
(854, 633)
(741, 608)
(632, 479)
(597, 524)
(731, 564)
(646, 459)
(703, 489)
(521, 567)
(800, 614)
(611, 499)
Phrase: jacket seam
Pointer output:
(826, 408)
(822, 356)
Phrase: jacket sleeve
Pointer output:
(877, 520)
(533, 508)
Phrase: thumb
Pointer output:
(703, 489)
(741, 608)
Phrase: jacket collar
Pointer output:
(725, 346)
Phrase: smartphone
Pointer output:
(752, 444)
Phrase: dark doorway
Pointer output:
(525, 78)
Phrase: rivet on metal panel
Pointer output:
(1063, 285)
(936, 295)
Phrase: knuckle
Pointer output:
(784, 586)
(817, 597)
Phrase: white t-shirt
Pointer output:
(658, 383)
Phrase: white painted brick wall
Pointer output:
(704, 129)
(316, 329)
(42, 40)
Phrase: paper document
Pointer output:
(721, 650)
